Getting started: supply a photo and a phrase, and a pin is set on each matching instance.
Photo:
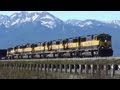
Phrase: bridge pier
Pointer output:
(60, 67)
(16, 66)
(86, 69)
(98, 70)
(106, 69)
(56, 68)
(45, 66)
(23, 66)
(70, 68)
(19, 66)
(51, 67)
(30, 67)
(75, 68)
(80, 69)
(92, 69)
(36, 68)
(65, 65)
(13, 66)
(112, 70)
(40, 67)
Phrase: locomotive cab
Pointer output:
(105, 46)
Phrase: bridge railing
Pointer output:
(88, 69)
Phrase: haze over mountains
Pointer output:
(24, 27)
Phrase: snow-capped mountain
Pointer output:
(79, 22)
(24, 27)
(116, 22)
(88, 22)
(44, 18)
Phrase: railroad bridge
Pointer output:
(94, 66)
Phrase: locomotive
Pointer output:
(96, 45)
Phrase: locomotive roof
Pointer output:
(105, 34)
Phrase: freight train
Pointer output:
(97, 45)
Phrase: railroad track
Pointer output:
(95, 58)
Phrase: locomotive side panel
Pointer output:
(28, 49)
(46, 48)
(39, 48)
(60, 46)
(55, 47)
(73, 45)
(12, 51)
(19, 50)
(90, 43)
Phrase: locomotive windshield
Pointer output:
(104, 38)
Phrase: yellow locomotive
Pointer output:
(98, 45)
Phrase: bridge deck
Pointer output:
(76, 59)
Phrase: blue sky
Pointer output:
(81, 15)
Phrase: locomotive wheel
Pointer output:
(18, 57)
(92, 53)
(54, 55)
(40, 56)
(71, 54)
(32, 56)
